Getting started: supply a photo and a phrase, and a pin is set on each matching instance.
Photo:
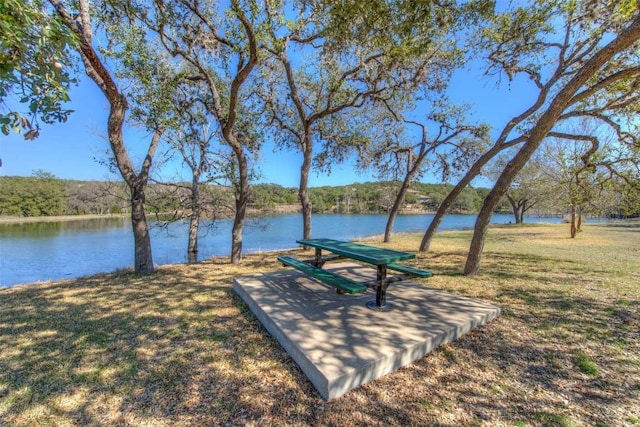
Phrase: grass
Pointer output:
(180, 348)
(586, 364)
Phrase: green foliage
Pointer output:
(34, 67)
(410, 25)
(264, 196)
(32, 196)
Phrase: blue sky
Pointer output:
(69, 150)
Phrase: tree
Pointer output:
(531, 187)
(357, 56)
(221, 55)
(591, 70)
(587, 174)
(35, 67)
(545, 43)
(96, 68)
(300, 96)
(451, 146)
(192, 132)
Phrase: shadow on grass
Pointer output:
(562, 328)
(179, 348)
(515, 266)
(123, 349)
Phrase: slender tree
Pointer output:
(451, 147)
(194, 139)
(588, 173)
(80, 22)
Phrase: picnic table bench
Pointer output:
(383, 259)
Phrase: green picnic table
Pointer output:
(383, 259)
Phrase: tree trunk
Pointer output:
(573, 229)
(477, 242)
(579, 224)
(101, 75)
(242, 200)
(303, 194)
(395, 209)
(143, 260)
(306, 213)
(194, 220)
(413, 165)
(501, 186)
(192, 247)
(515, 207)
(236, 232)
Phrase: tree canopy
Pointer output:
(36, 68)
(583, 59)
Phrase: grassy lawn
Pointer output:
(180, 348)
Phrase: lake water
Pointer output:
(41, 251)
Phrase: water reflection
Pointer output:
(54, 228)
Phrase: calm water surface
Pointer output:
(57, 250)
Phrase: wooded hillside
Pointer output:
(46, 195)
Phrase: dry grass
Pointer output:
(179, 348)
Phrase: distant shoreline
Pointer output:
(258, 213)
(61, 218)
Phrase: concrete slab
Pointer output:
(338, 342)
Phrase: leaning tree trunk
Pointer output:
(395, 209)
(412, 169)
(502, 185)
(500, 188)
(453, 195)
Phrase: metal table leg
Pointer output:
(380, 304)
(319, 261)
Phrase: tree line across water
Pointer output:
(45, 195)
